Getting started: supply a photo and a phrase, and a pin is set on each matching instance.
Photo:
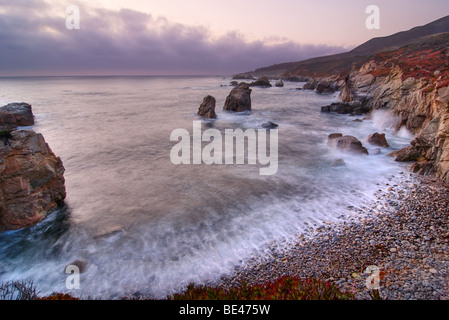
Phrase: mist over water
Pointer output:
(145, 225)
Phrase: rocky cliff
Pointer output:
(31, 176)
(413, 84)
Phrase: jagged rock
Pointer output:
(261, 82)
(407, 154)
(325, 87)
(16, 114)
(310, 84)
(377, 139)
(239, 99)
(279, 83)
(207, 108)
(31, 180)
(346, 144)
(31, 176)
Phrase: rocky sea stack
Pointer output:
(207, 108)
(31, 176)
(239, 99)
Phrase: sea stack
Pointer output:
(239, 99)
(207, 108)
(31, 176)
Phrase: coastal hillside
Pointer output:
(343, 62)
(413, 84)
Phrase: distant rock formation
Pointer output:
(239, 99)
(324, 85)
(412, 83)
(261, 82)
(31, 176)
(207, 108)
(243, 76)
(269, 125)
(346, 144)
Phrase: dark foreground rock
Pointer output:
(207, 108)
(239, 99)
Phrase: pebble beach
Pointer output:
(404, 235)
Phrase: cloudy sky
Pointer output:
(171, 37)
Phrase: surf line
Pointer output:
(189, 149)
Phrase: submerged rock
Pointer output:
(269, 125)
(207, 108)
(338, 163)
(239, 99)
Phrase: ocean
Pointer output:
(147, 226)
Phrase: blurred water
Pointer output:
(145, 225)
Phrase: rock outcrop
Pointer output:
(239, 99)
(324, 85)
(31, 176)
(263, 82)
(411, 83)
(207, 108)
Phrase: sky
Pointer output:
(194, 37)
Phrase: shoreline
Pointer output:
(405, 234)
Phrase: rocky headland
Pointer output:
(404, 234)
(411, 83)
(31, 176)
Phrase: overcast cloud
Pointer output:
(34, 40)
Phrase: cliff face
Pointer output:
(31, 176)
(412, 83)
